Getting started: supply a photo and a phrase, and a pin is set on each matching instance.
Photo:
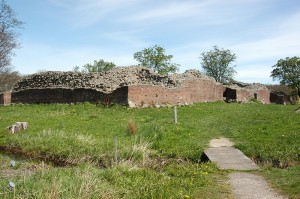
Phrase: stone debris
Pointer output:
(17, 127)
(24, 125)
(249, 87)
(107, 81)
(14, 128)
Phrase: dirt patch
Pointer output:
(221, 142)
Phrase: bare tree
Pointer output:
(8, 35)
(8, 78)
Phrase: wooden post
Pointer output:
(116, 150)
(175, 114)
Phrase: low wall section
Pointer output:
(191, 91)
(245, 95)
(61, 95)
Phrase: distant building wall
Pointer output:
(5, 98)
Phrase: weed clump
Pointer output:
(132, 127)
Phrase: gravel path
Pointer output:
(244, 185)
(251, 186)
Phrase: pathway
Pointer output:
(245, 185)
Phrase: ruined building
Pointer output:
(133, 86)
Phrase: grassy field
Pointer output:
(71, 150)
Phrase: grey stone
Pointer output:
(17, 127)
(157, 106)
(24, 125)
(131, 104)
(14, 128)
(105, 82)
(145, 105)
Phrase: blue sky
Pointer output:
(60, 34)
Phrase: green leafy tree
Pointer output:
(8, 36)
(97, 66)
(288, 72)
(156, 59)
(217, 64)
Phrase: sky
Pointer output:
(60, 34)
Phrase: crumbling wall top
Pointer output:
(107, 81)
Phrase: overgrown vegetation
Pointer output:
(159, 159)
(98, 66)
(156, 59)
(287, 71)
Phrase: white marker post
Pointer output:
(175, 114)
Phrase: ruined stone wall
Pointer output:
(105, 82)
(192, 90)
(263, 95)
(61, 95)
(279, 98)
(138, 85)
(247, 92)
(5, 98)
(230, 94)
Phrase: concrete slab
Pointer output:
(230, 158)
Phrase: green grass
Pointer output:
(81, 138)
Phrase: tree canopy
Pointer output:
(287, 71)
(97, 66)
(217, 64)
(156, 59)
(8, 35)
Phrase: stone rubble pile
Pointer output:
(105, 82)
(253, 86)
(17, 127)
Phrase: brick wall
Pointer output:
(5, 98)
(263, 96)
(190, 91)
(245, 95)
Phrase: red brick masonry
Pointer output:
(191, 91)
(5, 98)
